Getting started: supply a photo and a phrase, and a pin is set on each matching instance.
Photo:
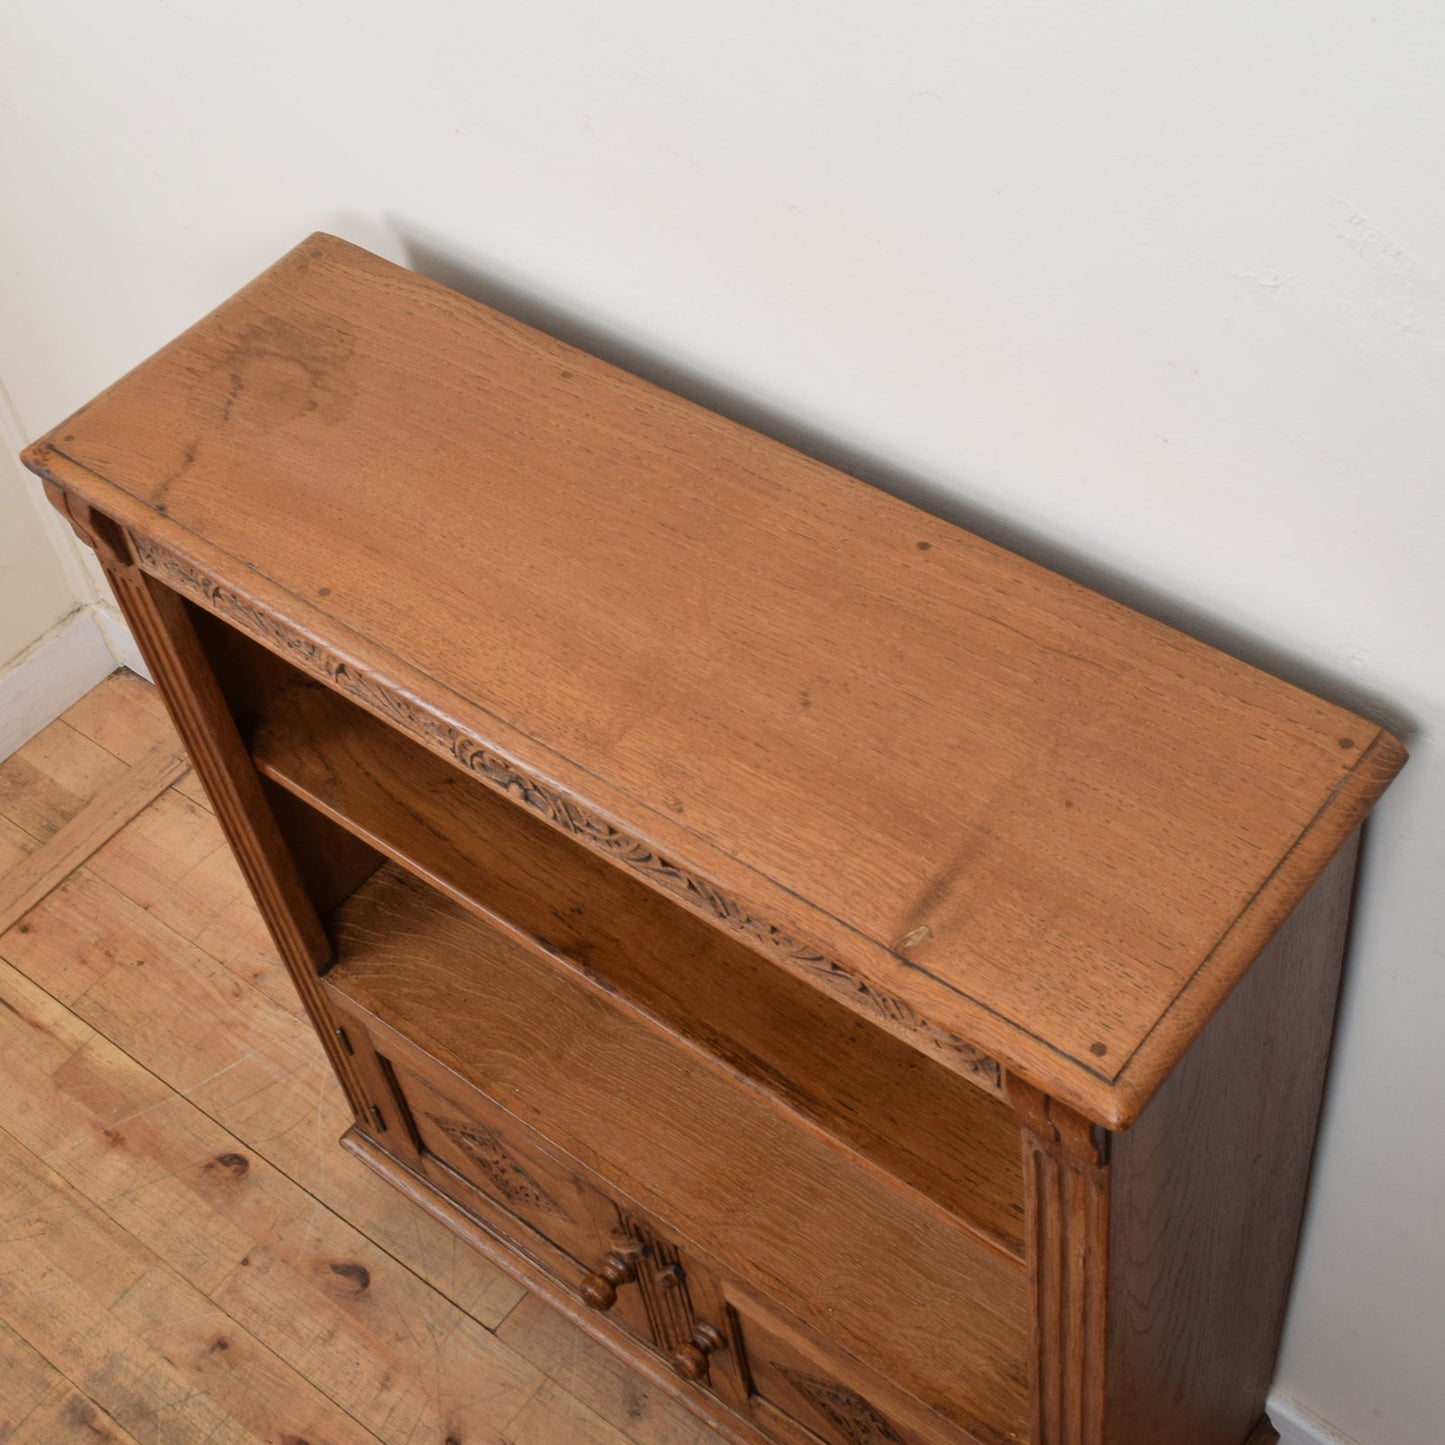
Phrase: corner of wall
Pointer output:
(81, 574)
(55, 671)
(80, 648)
(118, 638)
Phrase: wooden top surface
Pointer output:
(976, 801)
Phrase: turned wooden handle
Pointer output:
(599, 1291)
(690, 1359)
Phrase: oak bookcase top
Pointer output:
(1005, 817)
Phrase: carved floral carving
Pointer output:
(846, 1410)
(410, 716)
(491, 1155)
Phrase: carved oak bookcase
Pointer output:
(877, 986)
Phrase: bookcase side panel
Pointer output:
(1208, 1193)
(162, 627)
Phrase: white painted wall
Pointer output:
(35, 591)
(58, 638)
(1153, 293)
(60, 631)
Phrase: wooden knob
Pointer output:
(690, 1359)
(599, 1291)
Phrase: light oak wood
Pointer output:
(1069, 1184)
(87, 1297)
(124, 715)
(553, 1415)
(500, 1246)
(39, 1403)
(1223, 1141)
(253, 1067)
(24, 885)
(928, 1304)
(896, 1106)
(593, 1374)
(821, 735)
(268, 1264)
(813, 939)
(135, 1172)
(790, 1375)
(50, 779)
(174, 862)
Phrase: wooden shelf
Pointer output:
(1003, 811)
(748, 885)
(559, 1053)
(954, 1143)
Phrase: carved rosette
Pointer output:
(489, 1152)
(850, 1415)
(394, 706)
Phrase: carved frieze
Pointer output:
(846, 1410)
(404, 712)
(489, 1152)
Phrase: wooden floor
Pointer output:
(185, 1253)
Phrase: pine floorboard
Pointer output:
(185, 1253)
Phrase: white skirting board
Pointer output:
(59, 668)
(1297, 1426)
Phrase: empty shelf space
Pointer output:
(904, 1112)
(780, 1206)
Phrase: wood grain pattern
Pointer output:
(127, 1209)
(168, 642)
(46, 782)
(945, 1317)
(1209, 1190)
(40, 1404)
(24, 885)
(124, 715)
(617, 844)
(1067, 1167)
(96, 1303)
(224, 1044)
(899, 1108)
(498, 1247)
(832, 1396)
(817, 743)
(586, 1370)
(173, 861)
(164, 633)
(799, 899)
(260, 1260)
(553, 1415)
(558, 1219)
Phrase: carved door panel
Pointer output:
(480, 1156)
(834, 1397)
(620, 1262)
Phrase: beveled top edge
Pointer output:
(982, 1047)
(917, 1002)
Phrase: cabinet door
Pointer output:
(475, 1152)
(909, 1289)
(618, 1260)
(788, 1372)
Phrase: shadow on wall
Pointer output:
(437, 259)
